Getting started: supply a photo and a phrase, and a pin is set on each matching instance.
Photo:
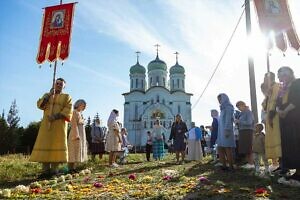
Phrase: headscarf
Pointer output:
(214, 113)
(287, 71)
(78, 103)
(224, 102)
(112, 118)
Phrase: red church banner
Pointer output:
(56, 33)
(274, 15)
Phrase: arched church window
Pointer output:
(177, 83)
(131, 84)
(145, 124)
(164, 82)
(136, 83)
(157, 80)
(173, 83)
(164, 124)
(150, 81)
(136, 111)
(178, 108)
(157, 98)
(182, 83)
(151, 124)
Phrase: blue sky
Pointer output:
(107, 33)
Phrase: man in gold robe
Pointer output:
(50, 147)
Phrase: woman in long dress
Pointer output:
(113, 140)
(288, 108)
(158, 141)
(178, 132)
(194, 143)
(225, 140)
(77, 143)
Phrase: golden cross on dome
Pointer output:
(137, 56)
(157, 46)
(176, 56)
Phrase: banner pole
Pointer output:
(268, 61)
(251, 65)
(53, 86)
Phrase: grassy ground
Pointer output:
(147, 181)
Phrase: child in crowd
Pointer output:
(258, 148)
(148, 145)
(124, 146)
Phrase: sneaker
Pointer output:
(247, 166)
(115, 165)
(218, 164)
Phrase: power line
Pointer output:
(220, 60)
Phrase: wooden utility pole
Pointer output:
(251, 65)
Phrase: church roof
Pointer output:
(157, 64)
(177, 69)
(137, 69)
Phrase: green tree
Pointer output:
(88, 128)
(3, 135)
(29, 136)
(12, 116)
(13, 134)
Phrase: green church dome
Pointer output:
(157, 64)
(137, 69)
(177, 69)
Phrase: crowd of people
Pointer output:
(236, 140)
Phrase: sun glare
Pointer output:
(256, 45)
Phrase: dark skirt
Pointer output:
(179, 144)
(245, 141)
(97, 148)
(290, 139)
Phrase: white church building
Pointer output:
(155, 96)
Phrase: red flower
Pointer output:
(132, 176)
(203, 179)
(166, 178)
(36, 190)
(101, 177)
(98, 185)
(261, 191)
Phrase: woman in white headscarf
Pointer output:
(114, 140)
